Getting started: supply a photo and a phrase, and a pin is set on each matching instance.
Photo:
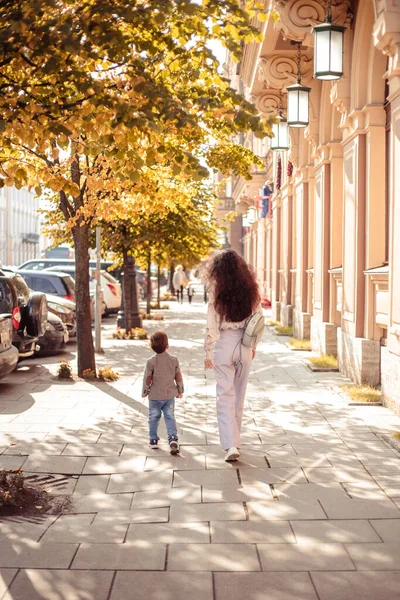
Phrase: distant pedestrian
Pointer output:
(162, 383)
(190, 292)
(233, 300)
(177, 281)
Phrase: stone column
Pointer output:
(301, 318)
(276, 254)
(323, 333)
(286, 245)
(359, 358)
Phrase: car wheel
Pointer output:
(36, 315)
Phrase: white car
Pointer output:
(112, 292)
(110, 287)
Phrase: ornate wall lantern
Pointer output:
(328, 49)
(298, 99)
(280, 140)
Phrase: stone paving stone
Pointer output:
(167, 585)
(373, 585)
(264, 586)
(143, 449)
(104, 465)
(142, 557)
(273, 475)
(42, 584)
(170, 533)
(222, 511)
(390, 485)
(27, 555)
(209, 478)
(100, 502)
(6, 577)
(304, 557)
(388, 530)
(218, 557)
(143, 515)
(138, 482)
(355, 509)
(365, 490)
(335, 531)
(375, 557)
(25, 448)
(285, 510)
(337, 474)
(96, 534)
(176, 463)
(11, 462)
(92, 484)
(17, 528)
(238, 493)
(166, 497)
(312, 491)
(251, 532)
(80, 449)
(68, 465)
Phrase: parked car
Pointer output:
(62, 251)
(65, 310)
(38, 264)
(55, 337)
(56, 283)
(110, 287)
(28, 310)
(8, 352)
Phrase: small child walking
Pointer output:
(162, 383)
(190, 292)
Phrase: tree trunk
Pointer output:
(131, 316)
(158, 285)
(86, 357)
(127, 293)
(148, 283)
(171, 278)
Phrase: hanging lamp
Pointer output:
(297, 113)
(280, 131)
(328, 48)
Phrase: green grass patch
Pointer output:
(273, 323)
(362, 393)
(326, 361)
(397, 436)
(284, 330)
(300, 344)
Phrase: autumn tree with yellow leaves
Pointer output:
(100, 99)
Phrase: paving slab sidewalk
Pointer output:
(311, 511)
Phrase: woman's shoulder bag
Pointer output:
(253, 330)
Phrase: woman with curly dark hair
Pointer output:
(234, 297)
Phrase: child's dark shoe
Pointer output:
(153, 443)
(174, 447)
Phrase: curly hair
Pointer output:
(235, 289)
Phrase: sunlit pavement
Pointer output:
(312, 509)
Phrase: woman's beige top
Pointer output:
(215, 325)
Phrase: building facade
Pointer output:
(328, 254)
(19, 226)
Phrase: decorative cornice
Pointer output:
(297, 17)
(269, 102)
(278, 71)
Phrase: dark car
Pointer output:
(28, 311)
(55, 337)
(58, 284)
(65, 310)
(8, 352)
(38, 264)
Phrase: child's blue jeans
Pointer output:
(156, 407)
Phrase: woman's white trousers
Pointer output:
(231, 384)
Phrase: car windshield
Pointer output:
(6, 299)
